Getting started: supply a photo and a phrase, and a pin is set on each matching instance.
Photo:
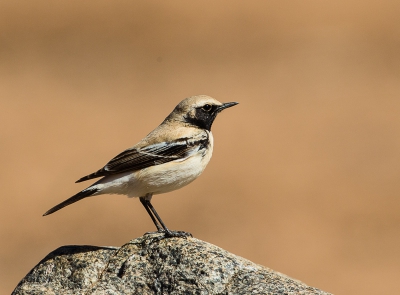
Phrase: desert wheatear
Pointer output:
(168, 158)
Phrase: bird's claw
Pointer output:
(171, 233)
(177, 234)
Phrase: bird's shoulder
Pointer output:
(169, 133)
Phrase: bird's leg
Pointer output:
(168, 233)
(145, 205)
(153, 210)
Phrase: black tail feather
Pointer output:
(79, 196)
(91, 176)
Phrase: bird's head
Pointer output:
(199, 111)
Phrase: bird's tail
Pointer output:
(90, 191)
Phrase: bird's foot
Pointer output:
(154, 232)
(170, 233)
(177, 234)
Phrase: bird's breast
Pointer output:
(176, 174)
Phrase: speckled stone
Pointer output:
(152, 265)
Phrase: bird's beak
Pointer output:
(226, 105)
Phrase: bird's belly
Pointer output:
(169, 176)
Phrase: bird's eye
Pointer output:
(207, 107)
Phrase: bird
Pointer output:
(170, 157)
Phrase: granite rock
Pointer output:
(153, 265)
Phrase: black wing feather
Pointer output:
(134, 159)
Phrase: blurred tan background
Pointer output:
(305, 173)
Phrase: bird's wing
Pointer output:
(134, 159)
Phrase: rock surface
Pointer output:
(151, 265)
